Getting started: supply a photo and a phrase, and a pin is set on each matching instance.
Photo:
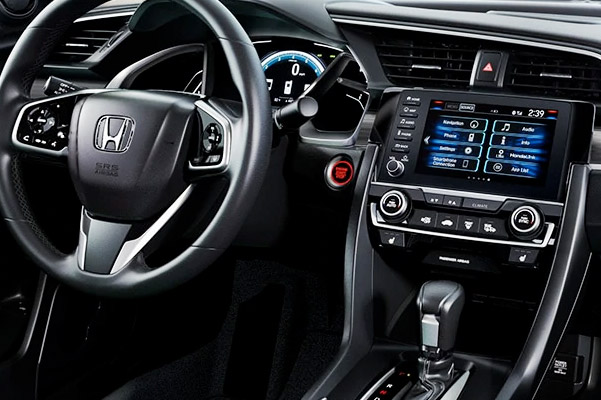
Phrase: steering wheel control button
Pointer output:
(526, 221)
(395, 168)
(482, 205)
(214, 159)
(493, 227)
(447, 222)
(452, 201)
(434, 199)
(523, 256)
(43, 125)
(392, 238)
(394, 206)
(211, 138)
(424, 219)
(468, 224)
(41, 120)
(339, 173)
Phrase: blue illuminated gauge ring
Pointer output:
(282, 56)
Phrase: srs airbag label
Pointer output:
(107, 169)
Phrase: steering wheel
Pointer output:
(128, 153)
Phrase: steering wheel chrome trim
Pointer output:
(130, 248)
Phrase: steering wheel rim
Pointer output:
(250, 148)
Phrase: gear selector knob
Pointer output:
(440, 304)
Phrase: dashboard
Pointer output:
(460, 131)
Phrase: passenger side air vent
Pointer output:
(86, 37)
(555, 74)
(411, 59)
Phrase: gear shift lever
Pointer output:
(440, 304)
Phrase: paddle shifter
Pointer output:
(440, 304)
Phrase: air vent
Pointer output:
(556, 74)
(411, 59)
(84, 38)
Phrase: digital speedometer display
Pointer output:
(289, 73)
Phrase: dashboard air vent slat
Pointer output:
(85, 38)
(431, 61)
(555, 74)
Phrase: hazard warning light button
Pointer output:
(488, 66)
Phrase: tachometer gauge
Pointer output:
(289, 74)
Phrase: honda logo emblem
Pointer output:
(114, 133)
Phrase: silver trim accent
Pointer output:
(492, 37)
(328, 47)
(83, 242)
(465, 194)
(535, 215)
(29, 106)
(402, 208)
(424, 66)
(226, 125)
(379, 222)
(552, 75)
(131, 248)
(457, 387)
(103, 16)
(367, 394)
(430, 329)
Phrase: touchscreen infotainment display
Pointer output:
(487, 142)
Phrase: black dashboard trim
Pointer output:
(375, 73)
(358, 332)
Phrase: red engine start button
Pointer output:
(339, 173)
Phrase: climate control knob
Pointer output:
(395, 168)
(526, 222)
(394, 206)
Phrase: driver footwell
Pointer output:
(279, 334)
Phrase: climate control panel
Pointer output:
(463, 216)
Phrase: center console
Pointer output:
(469, 188)
(478, 168)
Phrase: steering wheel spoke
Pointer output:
(211, 147)
(43, 126)
(107, 247)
